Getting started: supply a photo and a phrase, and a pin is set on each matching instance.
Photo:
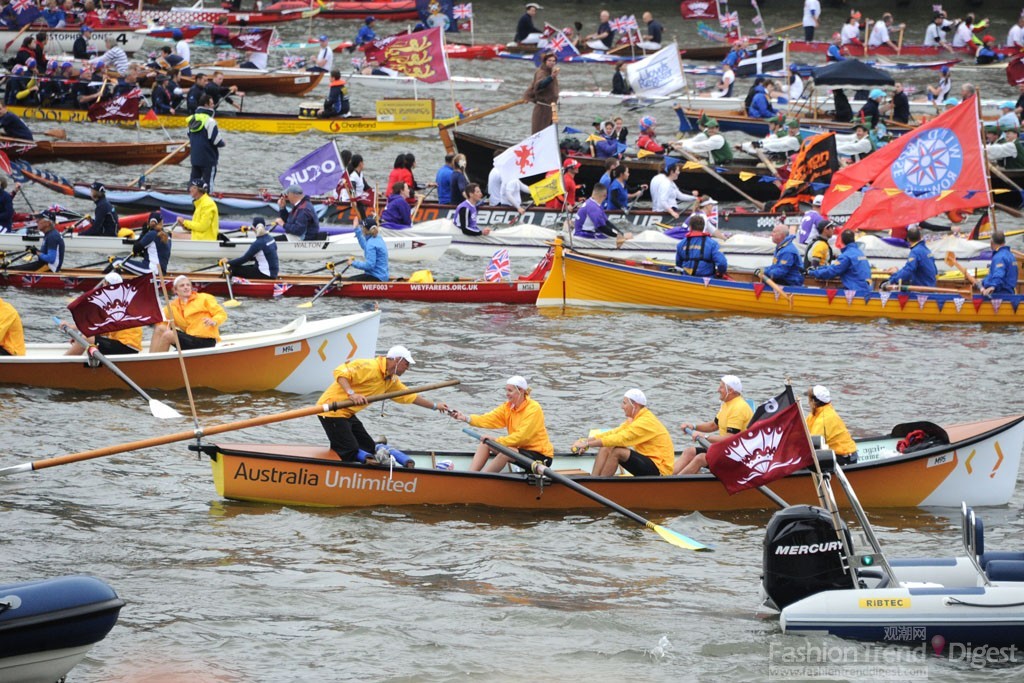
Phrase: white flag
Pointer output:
(535, 155)
(658, 75)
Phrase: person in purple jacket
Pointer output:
(397, 215)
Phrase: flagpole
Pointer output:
(988, 164)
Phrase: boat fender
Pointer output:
(400, 457)
(362, 455)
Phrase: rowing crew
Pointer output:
(641, 445)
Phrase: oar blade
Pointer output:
(162, 410)
(232, 303)
(305, 304)
(677, 539)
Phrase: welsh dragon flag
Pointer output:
(938, 167)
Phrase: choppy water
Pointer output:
(225, 591)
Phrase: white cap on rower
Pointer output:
(637, 397)
(822, 393)
(733, 382)
(399, 351)
(818, 199)
(517, 381)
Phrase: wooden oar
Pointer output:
(158, 164)
(768, 493)
(788, 27)
(775, 287)
(1006, 179)
(1006, 209)
(160, 410)
(766, 161)
(867, 32)
(416, 209)
(231, 301)
(899, 43)
(951, 261)
(56, 134)
(540, 469)
(210, 431)
(923, 288)
(17, 35)
(323, 290)
(704, 167)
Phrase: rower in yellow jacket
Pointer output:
(206, 218)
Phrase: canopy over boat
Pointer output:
(852, 72)
(295, 359)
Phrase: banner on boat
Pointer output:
(659, 75)
(767, 450)
(438, 14)
(254, 40)
(319, 172)
(545, 190)
(535, 155)
(935, 168)
(420, 55)
(699, 9)
(113, 307)
(121, 108)
(815, 163)
(771, 58)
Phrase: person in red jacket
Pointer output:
(570, 167)
(648, 139)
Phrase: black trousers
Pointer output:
(249, 271)
(347, 436)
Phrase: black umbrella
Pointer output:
(850, 72)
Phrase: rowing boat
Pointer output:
(120, 153)
(408, 248)
(63, 39)
(979, 464)
(739, 122)
(294, 83)
(906, 50)
(579, 279)
(249, 122)
(48, 626)
(295, 359)
(408, 84)
(522, 290)
(279, 12)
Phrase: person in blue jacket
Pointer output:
(444, 181)
(49, 254)
(1002, 272)
(375, 254)
(104, 221)
(619, 196)
(760, 107)
(301, 222)
(153, 245)
(366, 33)
(7, 205)
(852, 266)
(785, 268)
(698, 254)
(262, 252)
(919, 270)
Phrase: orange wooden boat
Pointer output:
(978, 465)
(120, 153)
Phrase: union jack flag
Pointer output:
(499, 267)
(618, 24)
(240, 280)
(729, 20)
(631, 23)
(464, 11)
(292, 61)
(559, 42)
(280, 288)
(20, 6)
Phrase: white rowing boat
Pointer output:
(408, 84)
(403, 248)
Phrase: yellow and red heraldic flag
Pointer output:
(420, 55)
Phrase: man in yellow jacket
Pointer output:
(12, 336)
(641, 444)
(355, 381)
(206, 218)
(522, 417)
(825, 422)
(732, 418)
(196, 316)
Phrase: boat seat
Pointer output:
(1005, 570)
(1001, 556)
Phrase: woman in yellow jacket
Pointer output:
(641, 444)
(205, 223)
(825, 422)
(524, 420)
(197, 317)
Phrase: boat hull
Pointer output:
(407, 85)
(49, 626)
(294, 359)
(389, 10)
(980, 466)
(119, 153)
(269, 124)
(187, 15)
(294, 83)
(580, 280)
(63, 40)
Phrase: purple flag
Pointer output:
(317, 173)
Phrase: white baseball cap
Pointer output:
(818, 199)
(822, 393)
(733, 382)
(399, 351)
(637, 397)
(517, 381)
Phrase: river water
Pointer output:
(225, 591)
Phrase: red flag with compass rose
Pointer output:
(938, 167)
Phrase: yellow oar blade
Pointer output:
(677, 539)
(305, 304)
(232, 303)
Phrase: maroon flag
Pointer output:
(1015, 70)
(121, 108)
(699, 9)
(768, 450)
(419, 54)
(110, 308)
(253, 41)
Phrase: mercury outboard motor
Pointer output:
(803, 556)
